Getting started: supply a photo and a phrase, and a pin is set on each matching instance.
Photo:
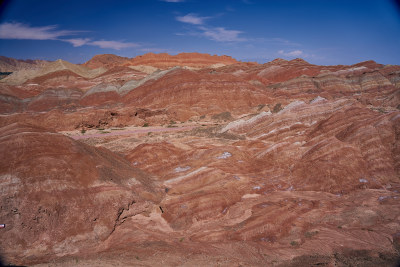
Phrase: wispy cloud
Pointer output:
(15, 30)
(77, 42)
(117, 45)
(294, 53)
(192, 19)
(220, 34)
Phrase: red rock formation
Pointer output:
(10, 104)
(195, 60)
(106, 60)
(100, 95)
(63, 99)
(121, 74)
(56, 77)
(162, 60)
(287, 163)
(60, 196)
(187, 93)
(272, 192)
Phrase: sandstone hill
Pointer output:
(197, 160)
(161, 61)
(52, 187)
(106, 60)
(23, 75)
(195, 60)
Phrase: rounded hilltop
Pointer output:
(161, 60)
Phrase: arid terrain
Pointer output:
(199, 160)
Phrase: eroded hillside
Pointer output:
(160, 160)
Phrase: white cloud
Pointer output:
(117, 45)
(78, 41)
(220, 34)
(192, 19)
(16, 30)
(295, 53)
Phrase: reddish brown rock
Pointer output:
(10, 104)
(273, 191)
(60, 196)
(187, 93)
(120, 74)
(60, 98)
(106, 60)
(285, 163)
(161, 61)
(195, 60)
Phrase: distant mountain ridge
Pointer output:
(24, 74)
(8, 64)
(161, 61)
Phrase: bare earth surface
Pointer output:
(240, 164)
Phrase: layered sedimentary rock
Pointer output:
(285, 163)
(161, 61)
(23, 75)
(292, 188)
(60, 196)
(188, 93)
(106, 60)
(195, 60)
(284, 81)
(54, 98)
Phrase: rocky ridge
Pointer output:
(161, 61)
(8, 64)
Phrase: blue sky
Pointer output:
(321, 32)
